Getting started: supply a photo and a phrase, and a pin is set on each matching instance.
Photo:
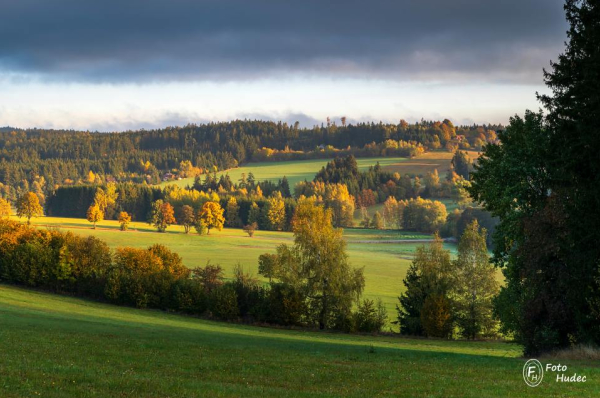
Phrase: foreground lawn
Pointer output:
(385, 264)
(54, 346)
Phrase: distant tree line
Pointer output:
(51, 158)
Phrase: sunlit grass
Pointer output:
(57, 346)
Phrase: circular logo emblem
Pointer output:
(533, 372)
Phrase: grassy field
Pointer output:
(295, 171)
(425, 163)
(385, 264)
(55, 346)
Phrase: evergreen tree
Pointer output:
(429, 274)
(543, 182)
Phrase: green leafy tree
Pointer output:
(461, 164)
(187, 218)
(254, 214)
(369, 317)
(475, 284)
(318, 266)
(162, 215)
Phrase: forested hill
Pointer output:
(64, 157)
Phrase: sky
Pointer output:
(121, 65)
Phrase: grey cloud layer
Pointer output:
(123, 41)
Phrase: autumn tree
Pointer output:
(341, 203)
(4, 208)
(377, 221)
(187, 217)
(432, 184)
(162, 215)
(475, 284)
(232, 212)
(211, 216)
(276, 211)
(423, 215)
(317, 265)
(28, 206)
(390, 213)
(124, 220)
(94, 214)
(106, 199)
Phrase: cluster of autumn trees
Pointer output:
(311, 283)
(444, 297)
(41, 160)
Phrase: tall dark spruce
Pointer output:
(543, 181)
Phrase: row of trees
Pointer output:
(67, 157)
(443, 294)
(311, 284)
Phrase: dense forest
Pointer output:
(41, 160)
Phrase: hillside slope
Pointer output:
(54, 346)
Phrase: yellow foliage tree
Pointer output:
(276, 211)
(4, 208)
(211, 215)
(124, 220)
(341, 203)
(28, 206)
(91, 177)
(95, 214)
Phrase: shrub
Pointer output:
(286, 305)
(224, 302)
(369, 317)
(250, 228)
(190, 297)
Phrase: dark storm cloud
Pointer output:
(146, 40)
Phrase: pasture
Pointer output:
(385, 264)
(301, 170)
(54, 346)
(295, 171)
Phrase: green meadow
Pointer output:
(295, 171)
(55, 346)
(385, 263)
